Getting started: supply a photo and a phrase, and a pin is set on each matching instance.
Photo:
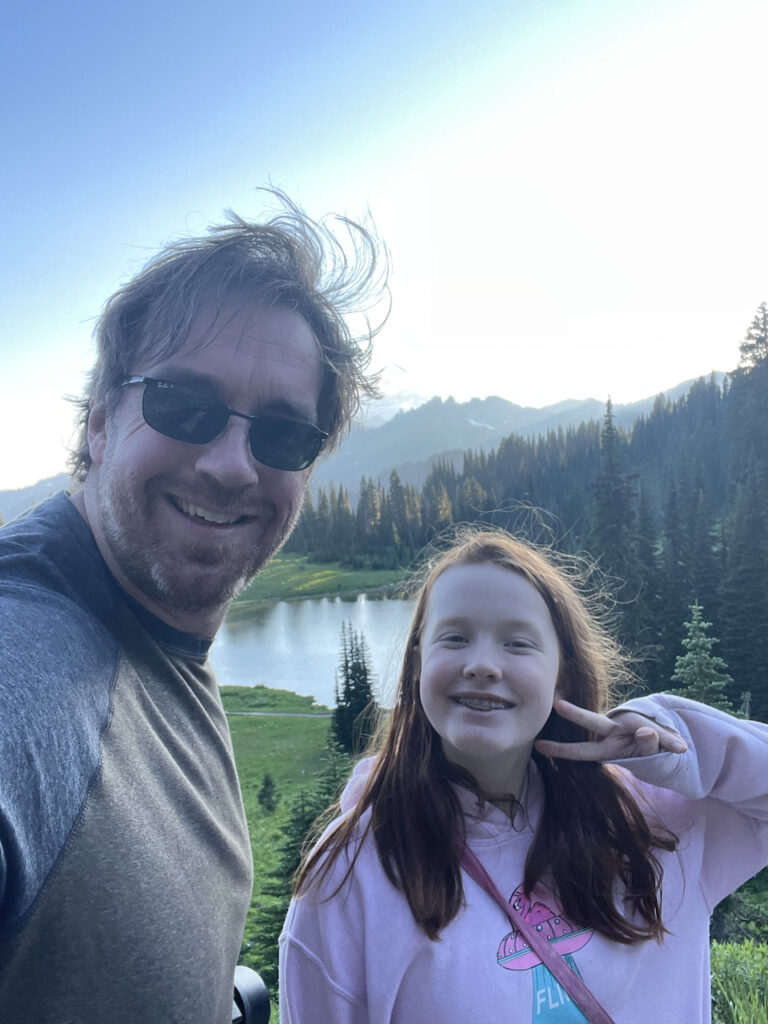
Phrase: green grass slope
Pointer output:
(292, 576)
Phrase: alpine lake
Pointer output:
(295, 645)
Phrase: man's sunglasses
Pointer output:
(185, 415)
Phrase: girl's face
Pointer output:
(489, 666)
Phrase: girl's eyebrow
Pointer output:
(450, 621)
(461, 620)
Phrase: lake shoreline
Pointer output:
(382, 591)
(260, 699)
(290, 577)
(295, 645)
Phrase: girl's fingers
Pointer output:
(647, 740)
(673, 742)
(580, 716)
(656, 737)
(628, 734)
(572, 751)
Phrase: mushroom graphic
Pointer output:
(550, 1002)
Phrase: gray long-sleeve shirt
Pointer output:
(125, 864)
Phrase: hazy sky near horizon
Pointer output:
(573, 191)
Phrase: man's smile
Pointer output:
(218, 518)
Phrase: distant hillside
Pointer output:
(13, 503)
(444, 429)
(411, 441)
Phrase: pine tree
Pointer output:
(438, 511)
(613, 541)
(705, 570)
(675, 592)
(303, 811)
(649, 592)
(268, 797)
(471, 500)
(744, 595)
(398, 510)
(754, 348)
(354, 717)
(368, 517)
(746, 422)
(342, 523)
(262, 952)
(702, 675)
(323, 525)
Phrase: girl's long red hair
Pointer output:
(592, 833)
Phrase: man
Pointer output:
(223, 370)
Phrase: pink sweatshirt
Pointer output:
(359, 958)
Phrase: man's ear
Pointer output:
(97, 432)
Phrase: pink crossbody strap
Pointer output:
(567, 978)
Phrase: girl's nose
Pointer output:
(481, 663)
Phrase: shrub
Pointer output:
(739, 982)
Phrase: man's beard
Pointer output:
(201, 583)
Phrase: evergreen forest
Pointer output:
(673, 512)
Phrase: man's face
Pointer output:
(183, 527)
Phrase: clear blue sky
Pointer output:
(573, 191)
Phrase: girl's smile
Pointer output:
(490, 662)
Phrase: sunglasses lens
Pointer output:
(285, 444)
(184, 415)
(181, 414)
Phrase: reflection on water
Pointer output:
(294, 645)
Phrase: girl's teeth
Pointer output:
(482, 705)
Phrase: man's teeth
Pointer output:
(483, 705)
(204, 513)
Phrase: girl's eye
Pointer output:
(453, 638)
(519, 644)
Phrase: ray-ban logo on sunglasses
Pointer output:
(183, 414)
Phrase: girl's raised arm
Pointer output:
(719, 765)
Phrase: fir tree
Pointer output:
(268, 796)
(613, 540)
(614, 515)
(649, 591)
(323, 525)
(354, 717)
(701, 674)
(261, 953)
(754, 348)
(674, 589)
(303, 811)
(743, 594)
(438, 510)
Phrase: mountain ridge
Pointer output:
(443, 429)
(411, 440)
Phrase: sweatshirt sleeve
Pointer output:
(723, 778)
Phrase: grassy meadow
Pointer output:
(265, 700)
(285, 738)
(287, 741)
(290, 576)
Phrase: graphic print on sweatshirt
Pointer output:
(551, 1003)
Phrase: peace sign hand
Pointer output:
(626, 734)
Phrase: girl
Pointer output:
(591, 825)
